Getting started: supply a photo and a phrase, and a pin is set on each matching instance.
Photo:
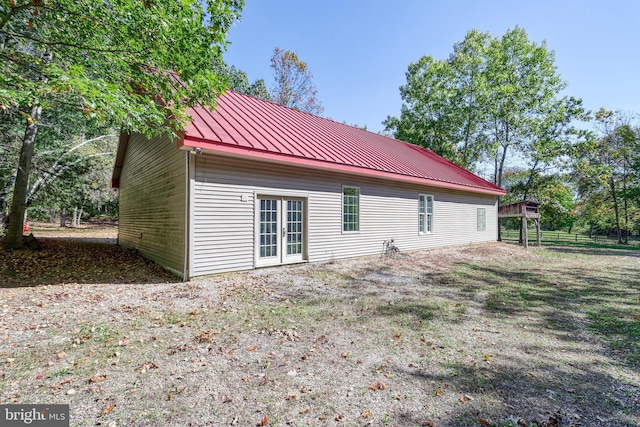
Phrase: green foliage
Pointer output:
(442, 102)
(238, 81)
(491, 96)
(553, 192)
(294, 86)
(110, 58)
(114, 61)
(606, 171)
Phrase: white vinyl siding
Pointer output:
(350, 209)
(153, 201)
(425, 213)
(482, 219)
(224, 217)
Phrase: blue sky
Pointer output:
(358, 51)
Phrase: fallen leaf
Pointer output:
(145, 367)
(531, 374)
(429, 424)
(439, 392)
(484, 422)
(108, 409)
(378, 386)
(251, 348)
(366, 413)
(291, 396)
(264, 421)
(97, 378)
(487, 357)
(462, 399)
(61, 383)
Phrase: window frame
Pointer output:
(481, 225)
(356, 228)
(425, 218)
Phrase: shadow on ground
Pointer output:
(82, 260)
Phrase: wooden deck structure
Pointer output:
(525, 209)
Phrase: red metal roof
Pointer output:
(247, 126)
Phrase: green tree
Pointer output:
(552, 191)
(495, 98)
(606, 169)
(294, 86)
(444, 102)
(113, 60)
(238, 81)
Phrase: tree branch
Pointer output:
(54, 171)
(12, 12)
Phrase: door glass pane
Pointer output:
(268, 228)
(294, 227)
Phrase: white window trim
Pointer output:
(484, 218)
(425, 222)
(280, 195)
(342, 209)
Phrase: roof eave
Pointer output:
(122, 150)
(189, 143)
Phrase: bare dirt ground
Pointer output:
(467, 336)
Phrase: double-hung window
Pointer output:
(350, 209)
(482, 219)
(425, 213)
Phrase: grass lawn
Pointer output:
(469, 336)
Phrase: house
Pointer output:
(255, 184)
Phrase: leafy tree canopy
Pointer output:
(113, 60)
(491, 97)
(238, 81)
(110, 58)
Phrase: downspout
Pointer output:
(187, 217)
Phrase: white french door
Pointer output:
(280, 230)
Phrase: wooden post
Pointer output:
(525, 234)
(538, 232)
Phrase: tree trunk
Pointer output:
(74, 217)
(63, 217)
(19, 203)
(626, 208)
(616, 209)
